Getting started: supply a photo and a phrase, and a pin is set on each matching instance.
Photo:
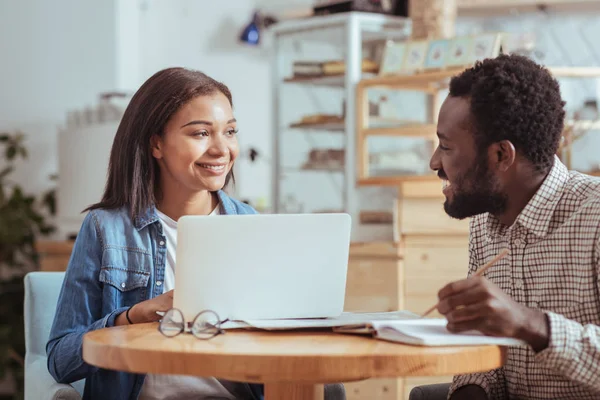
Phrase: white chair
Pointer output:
(41, 294)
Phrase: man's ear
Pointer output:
(502, 155)
(156, 146)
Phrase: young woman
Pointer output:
(172, 155)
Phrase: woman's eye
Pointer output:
(201, 133)
(232, 132)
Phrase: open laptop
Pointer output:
(262, 266)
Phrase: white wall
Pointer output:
(55, 56)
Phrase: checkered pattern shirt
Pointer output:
(553, 266)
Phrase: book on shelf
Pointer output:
(397, 326)
(327, 68)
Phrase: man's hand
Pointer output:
(476, 303)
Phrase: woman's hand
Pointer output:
(146, 310)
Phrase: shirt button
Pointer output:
(123, 285)
(158, 283)
(519, 283)
(535, 304)
(518, 242)
(162, 242)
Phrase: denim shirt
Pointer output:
(116, 262)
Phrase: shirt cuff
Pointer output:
(480, 380)
(109, 320)
(563, 343)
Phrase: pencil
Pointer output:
(479, 272)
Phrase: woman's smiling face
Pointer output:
(199, 145)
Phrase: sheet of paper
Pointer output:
(433, 332)
(314, 323)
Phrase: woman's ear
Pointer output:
(503, 154)
(156, 146)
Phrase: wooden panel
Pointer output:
(375, 250)
(430, 262)
(54, 254)
(418, 216)
(54, 263)
(375, 389)
(373, 285)
(293, 391)
(410, 383)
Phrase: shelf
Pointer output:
(374, 27)
(327, 126)
(583, 124)
(427, 131)
(305, 168)
(425, 78)
(376, 217)
(376, 123)
(478, 7)
(395, 180)
(325, 80)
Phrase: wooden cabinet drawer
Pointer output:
(375, 389)
(373, 285)
(421, 210)
(431, 262)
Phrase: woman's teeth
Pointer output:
(213, 167)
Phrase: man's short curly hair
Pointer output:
(512, 98)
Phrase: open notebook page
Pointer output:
(433, 332)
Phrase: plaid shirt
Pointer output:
(553, 266)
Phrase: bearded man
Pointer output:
(499, 130)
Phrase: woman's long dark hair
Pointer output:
(133, 173)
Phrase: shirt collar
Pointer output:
(149, 215)
(538, 212)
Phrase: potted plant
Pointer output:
(23, 218)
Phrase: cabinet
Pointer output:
(316, 65)
(54, 254)
(435, 252)
(375, 283)
(383, 276)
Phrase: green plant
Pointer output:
(23, 218)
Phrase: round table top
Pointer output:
(292, 356)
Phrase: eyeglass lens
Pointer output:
(172, 323)
(206, 325)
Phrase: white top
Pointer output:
(179, 386)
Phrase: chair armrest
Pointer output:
(39, 384)
(438, 391)
(335, 391)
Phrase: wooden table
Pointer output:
(292, 365)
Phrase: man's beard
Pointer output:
(480, 196)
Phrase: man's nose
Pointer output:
(434, 162)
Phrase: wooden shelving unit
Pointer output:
(430, 83)
(478, 7)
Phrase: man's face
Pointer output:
(470, 186)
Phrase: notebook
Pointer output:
(399, 326)
(426, 332)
